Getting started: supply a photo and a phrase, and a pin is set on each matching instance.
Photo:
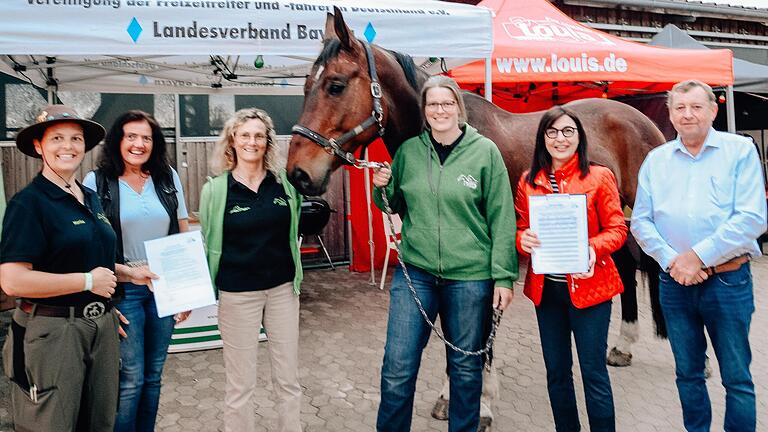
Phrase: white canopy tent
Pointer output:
(215, 47)
(222, 46)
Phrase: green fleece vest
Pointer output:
(213, 199)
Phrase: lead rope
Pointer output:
(496, 312)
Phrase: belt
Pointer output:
(728, 266)
(92, 310)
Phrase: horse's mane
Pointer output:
(414, 76)
(331, 50)
(410, 70)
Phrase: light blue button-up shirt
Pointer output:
(713, 203)
(142, 215)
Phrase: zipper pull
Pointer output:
(573, 284)
(33, 393)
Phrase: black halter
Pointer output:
(334, 145)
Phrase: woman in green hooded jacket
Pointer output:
(450, 186)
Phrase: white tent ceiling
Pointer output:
(218, 47)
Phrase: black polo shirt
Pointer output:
(255, 253)
(46, 226)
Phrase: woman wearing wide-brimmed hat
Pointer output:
(57, 255)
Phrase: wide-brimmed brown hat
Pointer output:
(92, 131)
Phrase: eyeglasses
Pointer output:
(567, 131)
(245, 138)
(448, 106)
(132, 138)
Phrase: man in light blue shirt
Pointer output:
(699, 209)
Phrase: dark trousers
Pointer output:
(558, 318)
(463, 307)
(723, 304)
(73, 365)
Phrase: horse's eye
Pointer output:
(335, 88)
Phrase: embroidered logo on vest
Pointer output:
(238, 209)
(280, 201)
(103, 218)
(78, 222)
(467, 180)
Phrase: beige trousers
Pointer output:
(240, 315)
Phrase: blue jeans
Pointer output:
(463, 307)
(724, 305)
(558, 318)
(142, 356)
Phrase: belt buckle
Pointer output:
(94, 310)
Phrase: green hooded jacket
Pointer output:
(213, 199)
(459, 217)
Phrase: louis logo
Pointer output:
(467, 180)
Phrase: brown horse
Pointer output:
(357, 92)
(338, 99)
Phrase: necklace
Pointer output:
(254, 186)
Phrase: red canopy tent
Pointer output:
(541, 57)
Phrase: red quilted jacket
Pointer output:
(606, 226)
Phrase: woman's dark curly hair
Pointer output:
(111, 161)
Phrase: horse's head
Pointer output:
(344, 105)
(337, 99)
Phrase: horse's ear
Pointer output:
(335, 25)
(330, 32)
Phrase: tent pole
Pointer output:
(347, 218)
(177, 120)
(51, 95)
(488, 82)
(730, 109)
(367, 176)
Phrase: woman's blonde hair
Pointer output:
(224, 157)
(442, 81)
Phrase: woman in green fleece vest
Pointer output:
(249, 217)
(451, 188)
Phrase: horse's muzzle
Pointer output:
(303, 183)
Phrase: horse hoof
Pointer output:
(617, 358)
(440, 410)
(707, 369)
(485, 424)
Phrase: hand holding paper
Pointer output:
(184, 282)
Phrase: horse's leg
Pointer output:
(440, 410)
(652, 270)
(621, 354)
(490, 393)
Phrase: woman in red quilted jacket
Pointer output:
(578, 304)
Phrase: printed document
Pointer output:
(184, 282)
(560, 222)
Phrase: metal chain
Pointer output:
(496, 312)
